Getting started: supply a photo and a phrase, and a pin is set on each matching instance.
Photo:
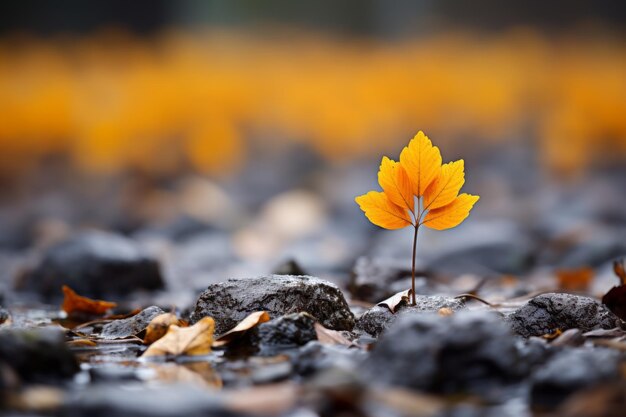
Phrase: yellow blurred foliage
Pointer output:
(111, 101)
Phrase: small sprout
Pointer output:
(418, 191)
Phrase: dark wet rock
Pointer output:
(465, 352)
(94, 264)
(288, 331)
(132, 326)
(571, 370)
(289, 267)
(546, 313)
(378, 318)
(37, 355)
(231, 301)
(534, 351)
(139, 401)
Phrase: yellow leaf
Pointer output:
(158, 327)
(452, 214)
(422, 162)
(396, 183)
(446, 186)
(194, 340)
(252, 320)
(382, 212)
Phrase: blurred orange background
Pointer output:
(205, 98)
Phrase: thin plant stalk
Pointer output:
(418, 218)
(413, 301)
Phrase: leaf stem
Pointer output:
(413, 301)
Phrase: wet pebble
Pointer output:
(37, 355)
(132, 326)
(231, 301)
(571, 370)
(378, 318)
(288, 331)
(547, 313)
(94, 264)
(466, 352)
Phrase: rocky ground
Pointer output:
(509, 319)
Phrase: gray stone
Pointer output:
(94, 264)
(470, 351)
(37, 355)
(292, 330)
(571, 370)
(231, 301)
(546, 313)
(378, 318)
(132, 326)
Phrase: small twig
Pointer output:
(477, 298)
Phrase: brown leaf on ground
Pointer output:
(83, 342)
(331, 337)
(194, 340)
(251, 321)
(158, 327)
(575, 279)
(74, 303)
(615, 299)
(393, 302)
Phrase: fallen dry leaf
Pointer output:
(574, 279)
(194, 340)
(615, 298)
(331, 337)
(82, 343)
(251, 321)
(393, 302)
(158, 327)
(74, 303)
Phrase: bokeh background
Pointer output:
(230, 136)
